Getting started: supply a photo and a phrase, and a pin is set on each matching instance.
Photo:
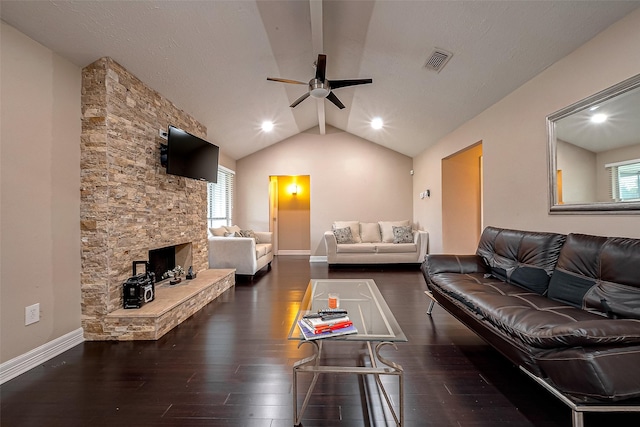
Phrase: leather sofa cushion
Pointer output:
(534, 319)
(600, 274)
(524, 258)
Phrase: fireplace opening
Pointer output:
(164, 259)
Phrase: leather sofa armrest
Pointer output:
(463, 264)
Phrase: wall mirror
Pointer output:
(594, 153)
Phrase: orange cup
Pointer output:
(333, 300)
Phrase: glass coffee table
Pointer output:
(376, 325)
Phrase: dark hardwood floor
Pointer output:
(231, 365)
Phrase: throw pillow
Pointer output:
(387, 231)
(370, 232)
(233, 229)
(218, 232)
(343, 235)
(402, 234)
(249, 233)
(355, 229)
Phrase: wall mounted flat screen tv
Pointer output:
(190, 156)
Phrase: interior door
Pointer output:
(462, 200)
(292, 220)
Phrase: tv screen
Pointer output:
(190, 156)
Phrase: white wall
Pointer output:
(514, 137)
(351, 179)
(40, 193)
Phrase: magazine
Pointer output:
(337, 330)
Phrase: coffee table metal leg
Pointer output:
(312, 365)
(396, 369)
(315, 357)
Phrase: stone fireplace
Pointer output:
(129, 205)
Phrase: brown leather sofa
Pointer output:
(565, 308)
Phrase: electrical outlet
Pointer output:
(32, 314)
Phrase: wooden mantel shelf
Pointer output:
(172, 305)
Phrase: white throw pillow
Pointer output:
(218, 232)
(370, 232)
(386, 227)
(233, 229)
(353, 225)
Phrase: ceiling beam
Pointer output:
(317, 41)
(317, 38)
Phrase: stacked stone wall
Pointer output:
(129, 204)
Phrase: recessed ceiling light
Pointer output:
(599, 118)
(267, 126)
(376, 123)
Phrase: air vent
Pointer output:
(438, 59)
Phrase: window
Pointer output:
(220, 199)
(625, 180)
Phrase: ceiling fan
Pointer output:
(320, 87)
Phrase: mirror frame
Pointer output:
(592, 207)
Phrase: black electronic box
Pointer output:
(139, 289)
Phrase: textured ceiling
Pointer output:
(212, 58)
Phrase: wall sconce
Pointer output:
(426, 193)
(293, 189)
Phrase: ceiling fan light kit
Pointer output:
(320, 87)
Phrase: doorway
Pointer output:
(462, 200)
(290, 213)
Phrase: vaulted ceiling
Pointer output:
(212, 58)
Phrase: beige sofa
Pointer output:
(375, 243)
(229, 248)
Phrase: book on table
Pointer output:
(315, 326)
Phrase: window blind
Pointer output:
(220, 199)
(625, 180)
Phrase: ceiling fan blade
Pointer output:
(321, 67)
(299, 100)
(275, 79)
(335, 84)
(333, 98)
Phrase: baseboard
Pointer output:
(294, 252)
(318, 259)
(23, 363)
